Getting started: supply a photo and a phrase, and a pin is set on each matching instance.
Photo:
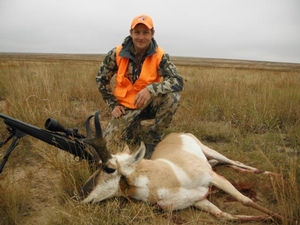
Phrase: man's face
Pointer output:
(141, 37)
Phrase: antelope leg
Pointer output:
(226, 186)
(216, 158)
(207, 206)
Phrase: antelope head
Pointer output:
(106, 180)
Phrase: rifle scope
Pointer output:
(54, 125)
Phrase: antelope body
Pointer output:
(178, 175)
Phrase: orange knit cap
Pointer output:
(144, 19)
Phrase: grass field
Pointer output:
(248, 111)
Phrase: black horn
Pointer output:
(97, 142)
(89, 133)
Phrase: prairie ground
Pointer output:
(248, 111)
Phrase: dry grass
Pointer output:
(249, 112)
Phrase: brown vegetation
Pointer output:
(248, 111)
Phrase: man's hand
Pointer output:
(142, 98)
(118, 111)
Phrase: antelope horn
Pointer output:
(88, 127)
(97, 142)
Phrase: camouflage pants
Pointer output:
(129, 130)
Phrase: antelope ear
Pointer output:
(139, 154)
(126, 149)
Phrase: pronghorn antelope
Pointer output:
(178, 175)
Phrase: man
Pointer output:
(146, 87)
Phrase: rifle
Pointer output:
(68, 140)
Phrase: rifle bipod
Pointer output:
(16, 135)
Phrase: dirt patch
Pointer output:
(36, 180)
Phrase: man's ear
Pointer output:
(153, 32)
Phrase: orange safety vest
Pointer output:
(125, 91)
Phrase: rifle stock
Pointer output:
(69, 142)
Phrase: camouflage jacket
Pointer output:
(172, 81)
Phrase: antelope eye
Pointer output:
(108, 170)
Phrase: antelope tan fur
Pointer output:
(178, 175)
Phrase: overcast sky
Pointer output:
(263, 30)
